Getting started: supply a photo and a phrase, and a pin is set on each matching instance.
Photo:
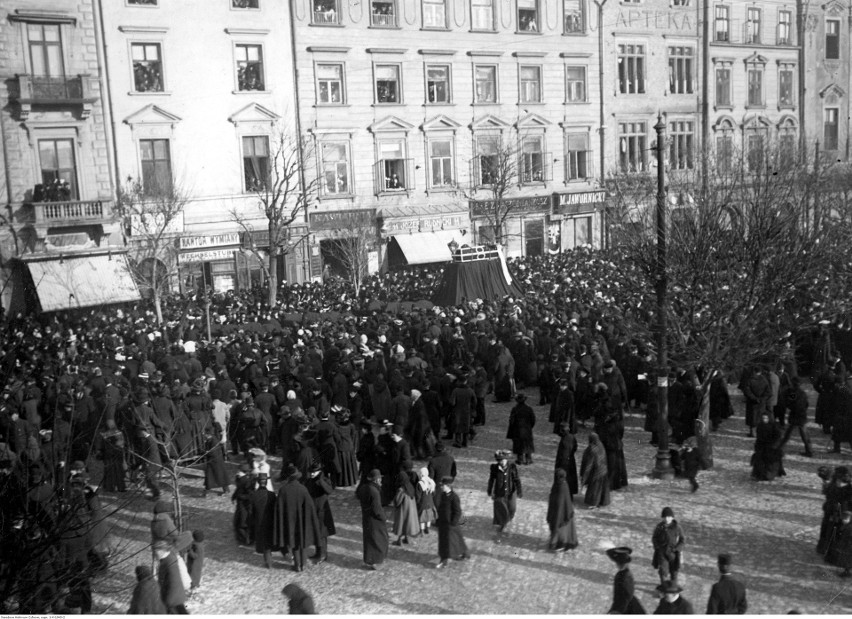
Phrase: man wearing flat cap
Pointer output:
(671, 602)
(728, 596)
(374, 527)
(624, 601)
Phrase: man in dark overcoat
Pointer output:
(262, 510)
(296, 524)
(728, 596)
(450, 541)
(375, 530)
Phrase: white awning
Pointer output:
(82, 281)
(429, 247)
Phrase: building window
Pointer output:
(633, 155)
(438, 83)
(631, 68)
(724, 152)
(245, 4)
(487, 163)
(752, 25)
(681, 70)
(249, 67)
(785, 28)
(58, 169)
(530, 84)
(486, 83)
(326, 12)
(578, 157)
(441, 163)
(156, 166)
(755, 85)
(723, 86)
(787, 146)
(533, 237)
(383, 13)
(681, 144)
(392, 166)
(832, 39)
(575, 84)
(434, 14)
(335, 168)
(255, 162)
(142, 2)
(578, 230)
(532, 160)
(528, 16)
(482, 14)
(786, 92)
(330, 83)
(575, 19)
(830, 128)
(45, 50)
(723, 23)
(387, 84)
(756, 149)
(680, 2)
(147, 67)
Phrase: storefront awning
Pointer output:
(429, 247)
(82, 281)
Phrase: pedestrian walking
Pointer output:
(795, 403)
(672, 603)
(594, 475)
(406, 523)
(195, 559)
(320, 489)
(171, 583)
(504, 487)
(560, 515)
(262, 509)
(374, 528)
(451, 544)
(624, 600)
(691, 460)
(728, 595)
(424, 493)
(668, 541)
(146, 599)
(565, 457)
(296, 524)
(520, 432)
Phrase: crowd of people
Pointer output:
(349, 391)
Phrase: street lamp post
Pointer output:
(663, 467)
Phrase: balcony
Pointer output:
(56, 92)
(72, 213)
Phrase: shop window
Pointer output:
(326, 12)
(249, 67)
(255, 162)
(58, 171)
(533, 237)
(438, 83)
(387, 84)
(434, 14)
(335, 168)
(528, 16)
(482, 14)
(147, 67)
(330, 83)
(156, 167)
(383, 13)
(577, 232)
(486, 83)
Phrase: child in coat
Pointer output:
(691, 462)
(195, 559)
(424, 494)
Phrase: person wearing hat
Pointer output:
(504, 487)
(374, 528)
(441, 465)
(521, 423)
(624, 600)
(668, 541)
(299, 602)
(462, 403)
(147, 453)
(244, 484)
(169, 576)
(198, 408)
(320, 489)
(296, 523)
(691, 460)
(146, 598)
(671, 602)
(560, 515)
(262, 509)
(451, 543)
(562, 406)
(728, 596)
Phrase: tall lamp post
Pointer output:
(663, 467)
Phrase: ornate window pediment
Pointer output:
(788, 121)
(532, 121)
(725, 123)
(390, 123)
(756, 58)
(152, 115)
(440, 123)
(253, 113)
(832, 90)
(489, 121)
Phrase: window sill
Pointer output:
(534, 184)
(723, 107)
(327, 25)
(481, 31)
(337, 196)
(679, 94)
(578, 181)
(371, 27)
(251, 92)
(575, 34)
(447, 104)
(434, 29)
(332, 105)
(484, 103)
(150, 93)
(534, 32)
(388, 104)
(786, 107)
(762, 106)
(387, 193)
(450, 189)
(531, 103)
(577, 102)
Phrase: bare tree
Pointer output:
(744, 272)
(152, 215)
(351, 248)
(283, 197)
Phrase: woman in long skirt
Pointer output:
(424, 493)
(560, 515)
(112, 453)
(348, 435)
(215, 475)
(593, 473)
(405, 519)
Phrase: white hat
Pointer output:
(189, 346)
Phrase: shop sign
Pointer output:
(209, 240)
(154, 224)
(580, 202)
(425, 224)
(350, 218)
(485, 208)
(210, 255)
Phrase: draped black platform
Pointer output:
(466, 281)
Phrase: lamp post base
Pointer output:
(663, 467)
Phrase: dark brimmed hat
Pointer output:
(620, 554)
(669, 586)
(502, 454)
(447, 480)
(374, 475)
(724, 560)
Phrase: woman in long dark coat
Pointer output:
(608, 427)
(767, 459)
(215, 475)
(242, 514)
(262, 503)
(374, 528)
(565, 460)
(112, 453)
(451, 543)
(462, 400)
(320, 488)
(504, 372)
(347, 440)
(560, 515)
(521, 423)
(593, 473)
(296, 524)
(420, 429)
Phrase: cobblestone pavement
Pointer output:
(771, 529)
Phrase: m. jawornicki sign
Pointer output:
(579, 202)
